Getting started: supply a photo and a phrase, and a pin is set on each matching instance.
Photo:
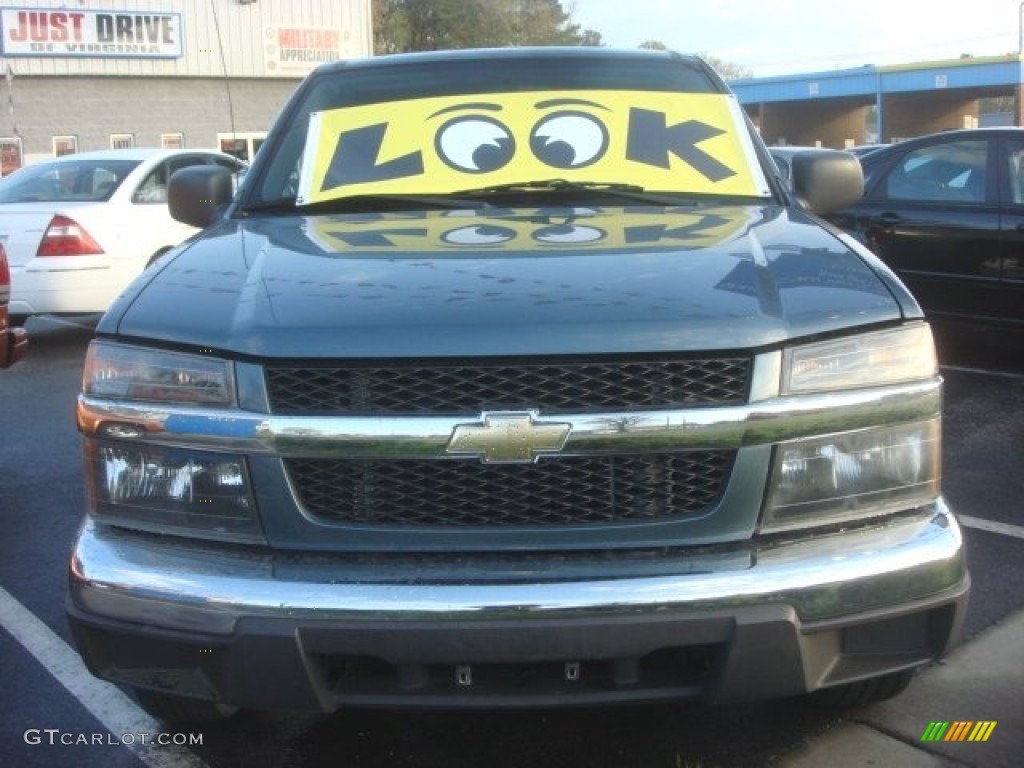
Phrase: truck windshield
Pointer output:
(440, 126)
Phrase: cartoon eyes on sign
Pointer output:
(478, 235)
(568, 234)
(480, 144)
(475, 144)
(569, 140)
(489, 235)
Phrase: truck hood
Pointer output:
(523, 282)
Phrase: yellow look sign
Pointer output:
(671, 142)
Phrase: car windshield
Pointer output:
(435, 128)
(66, 181)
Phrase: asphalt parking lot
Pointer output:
(49, 701)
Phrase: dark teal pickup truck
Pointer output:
(513, 378)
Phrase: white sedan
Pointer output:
(78, 229)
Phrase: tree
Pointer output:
(654, 45)
(389, 27)
(727, 70)
(428, 25)
(544, 22)
(433, 25)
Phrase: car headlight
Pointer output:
(853, 475)
(866, 360)
(176, 490)
(864, 473)
(134, 373)
(171, 490)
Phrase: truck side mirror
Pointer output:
(197, 194)
(827, 180)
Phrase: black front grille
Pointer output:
(458, 389)
(563, 491)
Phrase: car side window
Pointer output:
(953, 172)
(153, 188)
(104, 183)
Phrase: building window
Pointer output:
(241, 145)
(172, 140)
(122, 140)
(10, 155)
(65, 145)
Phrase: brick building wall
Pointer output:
(93, 108)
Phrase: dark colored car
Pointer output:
(513, 378)
(13, 341)
(946, 212)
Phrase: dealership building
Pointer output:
(98, 74)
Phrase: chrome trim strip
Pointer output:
(172, 584)
(757, 423)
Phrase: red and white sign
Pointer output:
(74, 32)
(299, 50)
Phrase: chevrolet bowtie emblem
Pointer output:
(509, 438)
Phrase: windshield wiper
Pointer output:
(632, 192)
(470, 198)
(365, 203)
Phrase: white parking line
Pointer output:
(118, 713)
(992, 526)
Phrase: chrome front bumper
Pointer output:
(157, 581)
(781, 619)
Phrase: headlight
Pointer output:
(867, 360)
(171, 490)
(133, 373)
(853, 475)
(158, 488)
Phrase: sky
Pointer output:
(778, 37)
